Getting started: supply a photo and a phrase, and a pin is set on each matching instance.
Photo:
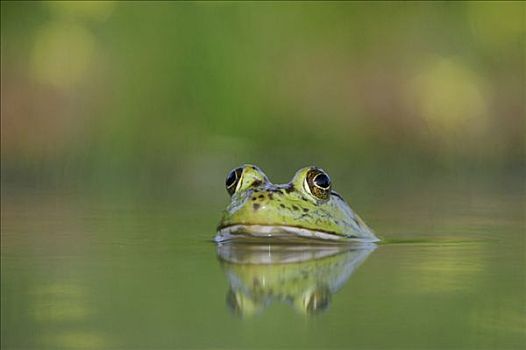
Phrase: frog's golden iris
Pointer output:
(305, 208)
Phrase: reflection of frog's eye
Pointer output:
(318, 301)
(232, 180)
(319, 183)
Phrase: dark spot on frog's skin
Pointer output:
(305, 210)
(270, 196)
(261, 196)
(253, 198)
(256, 183)
(295, 207)
(289, 189)
(304, 199)
(255, 206)
(282, 205)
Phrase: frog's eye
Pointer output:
(232, 180)
(322, 181)
(319, 183)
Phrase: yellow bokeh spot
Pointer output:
(450, 97)
(62, 54)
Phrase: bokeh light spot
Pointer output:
(450, 96)
(62, 54)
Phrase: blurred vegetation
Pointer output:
(164, 98)
(177, 93)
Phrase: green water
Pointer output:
(82, 270)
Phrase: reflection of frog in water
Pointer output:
(304, 276)
(305, 208)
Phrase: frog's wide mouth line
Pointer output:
(282, 232)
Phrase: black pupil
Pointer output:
(231, 178)
(322, 181)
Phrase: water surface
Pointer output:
(89, 271)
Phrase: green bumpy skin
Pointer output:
(290, 212)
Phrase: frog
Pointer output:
(305, 209)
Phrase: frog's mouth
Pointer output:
(281, 233)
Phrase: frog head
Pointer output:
(305, 208)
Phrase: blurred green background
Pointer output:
(120, 121)
(170, 95)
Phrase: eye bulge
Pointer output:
(232, 179)
(319, 183)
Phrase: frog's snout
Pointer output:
(256, 201)
(257, 206)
